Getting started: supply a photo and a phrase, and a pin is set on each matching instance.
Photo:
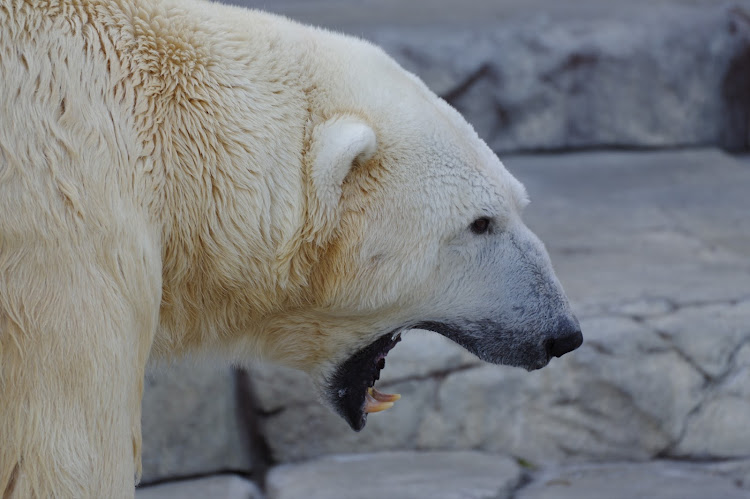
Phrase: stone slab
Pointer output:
(191, 423)
(709, 335)
(625, 394)
(718, 429)
(657, 480)
(405, 475)
(215, 487)
(623, 227)
(737, 470)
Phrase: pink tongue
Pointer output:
(376, 401)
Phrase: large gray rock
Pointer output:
(642, 229)
(624, 395)
(405, 475)
(708, 335)
(719, 428)
(671, 78)
(215, 487)
(658, 480)
(192, 424)
(736, 469)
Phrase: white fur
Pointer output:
(178, 176)
(336, 145)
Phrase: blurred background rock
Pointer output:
(629, 123)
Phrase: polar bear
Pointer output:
(180, 177)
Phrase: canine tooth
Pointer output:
(373, 406)
(382, 397)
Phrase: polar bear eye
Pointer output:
(480, 225)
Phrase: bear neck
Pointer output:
(218, 162)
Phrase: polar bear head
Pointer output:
(419, 225)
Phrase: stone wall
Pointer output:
(196, 422)
(673, 77)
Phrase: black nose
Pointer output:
(560, 345)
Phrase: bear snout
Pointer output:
(563, 342)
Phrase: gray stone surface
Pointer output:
(191, 423)
(357, 16)
(668, 227)
(544, 75)
(403, 475)
(652, 248)
(736, 469)
(718, 428)
(658, 480)
(215, 487)
(709, 335)
(546, 85)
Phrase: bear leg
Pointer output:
(75, 334)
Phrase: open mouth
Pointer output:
(351, 389)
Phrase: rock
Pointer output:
(718, 429)
(662, 480)
(643, 307)
(668, 78)
(622, 227)
(191, 424)
(405, 475)
(623, 395)
(710, 335)
(737, 469)
(215, 487)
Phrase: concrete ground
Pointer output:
(622, 228)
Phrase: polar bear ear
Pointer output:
(336, 146)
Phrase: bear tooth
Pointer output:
(371, 405)
(382, 397)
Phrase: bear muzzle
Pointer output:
(350, 389)
(530, 348)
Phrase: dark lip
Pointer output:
(347, 387)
